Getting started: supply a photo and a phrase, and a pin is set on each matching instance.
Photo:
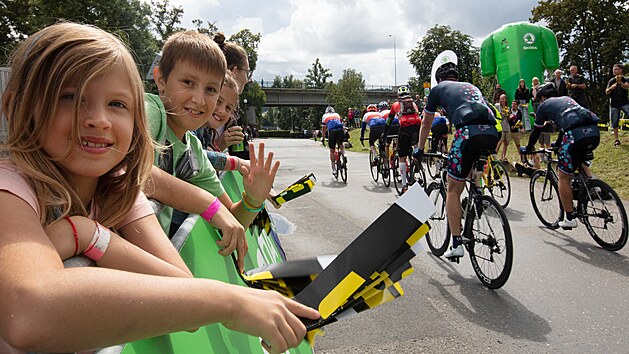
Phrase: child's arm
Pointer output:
(257, 181)
(65, 310)
(168, 189)
(120, 253)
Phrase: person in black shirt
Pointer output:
(578, 137)
(617, 89)
(577, 86)
(475, 125)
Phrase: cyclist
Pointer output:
(578, 136)
(439, 131)
(407, 113)
(394, 127)
(331, 122)
(375, 122)
(475, 131)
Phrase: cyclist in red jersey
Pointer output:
(407, 113)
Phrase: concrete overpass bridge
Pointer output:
(294, 97)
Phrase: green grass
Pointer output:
(610, 162)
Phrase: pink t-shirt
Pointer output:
(12, 181)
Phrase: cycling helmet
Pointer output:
(329, 109)
(447, 71)
(383, 105)
(547, 90)
(372, 108)
(403, 91)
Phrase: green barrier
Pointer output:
(199, 250)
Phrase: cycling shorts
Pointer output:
(375, 133)
(335, 137)
(394, 129)
(407, 137)
(575, 147)
(439, 134)
(468, 142)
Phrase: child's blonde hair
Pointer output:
(55, 57)
(231, 82)
(194, 48)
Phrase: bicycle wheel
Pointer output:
(342, 168)
(545, 199)
(433, 166)
(500, 184)
(373, 167)
(384, 170)
(397, 178)
(604, 216)
(438, 238)
(490, 246)
(418, 174)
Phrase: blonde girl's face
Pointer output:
(225, 106)
(105, 126)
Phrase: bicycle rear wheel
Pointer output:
(604, 216)
(342, 168)
(373, 167)
(384, 170)
(500, 184)
(438, 238)
(545, 199)
(432, 165)
(397, 178)
(417, 173)
(490, 245)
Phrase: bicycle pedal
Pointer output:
(454, 259)
(567, 228)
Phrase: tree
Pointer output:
(15, 25)
(592, 35)
(348, 91)
(209, 28)
(249, 41)
(438, 39)
(165, 19)
(317, 76)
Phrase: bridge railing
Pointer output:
(375, 87)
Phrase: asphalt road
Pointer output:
(565, 293)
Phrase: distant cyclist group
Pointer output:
(477, 127)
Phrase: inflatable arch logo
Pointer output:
(529, 38)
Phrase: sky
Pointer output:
(357, 34)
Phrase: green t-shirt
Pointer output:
(195, 167)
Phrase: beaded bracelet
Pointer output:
(250, 208)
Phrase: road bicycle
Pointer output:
(598, 206)
(341, 164)
(486, 231)
(495, 181)
(378, 163)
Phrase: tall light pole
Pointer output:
(394, 60)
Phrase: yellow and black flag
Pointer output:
(299, 188)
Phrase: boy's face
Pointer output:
(225, 106)
(189, 95)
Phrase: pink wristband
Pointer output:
(234, 163)
(97, 247)
(211, 210)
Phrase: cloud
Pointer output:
(350, 34)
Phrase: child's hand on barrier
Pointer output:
(233, 236)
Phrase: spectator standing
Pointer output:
(534, 100)
(560, 84)
(419, 102)
(617, 89)
(515, 124)
(577, 86)
(505, 137)
(497, 93)
(350, 117)
(523, 95)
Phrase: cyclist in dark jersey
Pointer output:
(375, 122)
(475, 130)
(578, 137)
(408, 115)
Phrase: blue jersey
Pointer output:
(439, 120)
(332, 121)
(565, 113)
(463, 103)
